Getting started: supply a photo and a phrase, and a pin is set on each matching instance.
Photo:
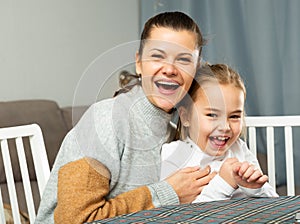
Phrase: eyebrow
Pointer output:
(237, 111)
(185, 53)
(217, 110)
(162, 51)
(212, 109)
(156, 49)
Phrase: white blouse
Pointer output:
(179, 154)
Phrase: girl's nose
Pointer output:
(224, 125)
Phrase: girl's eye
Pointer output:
(235, 117)
(212, 115)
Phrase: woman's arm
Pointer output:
(82, 189)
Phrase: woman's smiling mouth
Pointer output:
(166, 87)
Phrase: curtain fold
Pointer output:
(258, 38)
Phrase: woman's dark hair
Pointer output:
(127, 81)
(174, 20)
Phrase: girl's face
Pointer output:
(167, 65)
(216, 118)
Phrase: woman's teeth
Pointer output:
(167, 85)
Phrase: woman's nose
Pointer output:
(169, 69)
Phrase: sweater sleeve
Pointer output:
(82, 189)
(163, 194)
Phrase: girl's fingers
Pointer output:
(243, 168)
(263, 179)
(250, 171)
(254, 176)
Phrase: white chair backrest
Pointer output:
(41, 165)
(270, 123)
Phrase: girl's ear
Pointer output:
(183, 114)
(137, 63)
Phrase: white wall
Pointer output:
(46, 45)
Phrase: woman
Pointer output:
(109, 163)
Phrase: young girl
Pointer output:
(109, 163)
(211, 119)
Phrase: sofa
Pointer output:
(54, 121)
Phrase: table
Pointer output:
(243, 210)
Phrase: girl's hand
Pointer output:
(189, 182)
(226, 171)
(247, 175)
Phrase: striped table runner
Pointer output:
(243, 210)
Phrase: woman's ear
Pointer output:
(183, 114)
(138, 63)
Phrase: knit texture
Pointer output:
(81, 186)
(125, 135)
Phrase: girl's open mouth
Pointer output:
(219, 141)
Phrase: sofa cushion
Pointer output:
(45, 113)
(73, 114)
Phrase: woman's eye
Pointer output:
(157, 56)
(185, 60)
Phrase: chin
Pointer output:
(164, 104)
(216, 152)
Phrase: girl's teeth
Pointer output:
(220, 138)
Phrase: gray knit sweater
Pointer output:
(125, 134)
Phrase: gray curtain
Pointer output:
(261, 40)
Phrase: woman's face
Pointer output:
(167, 66)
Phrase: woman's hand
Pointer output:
(189, 182)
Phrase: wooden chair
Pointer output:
(270, 123)
(40, 161)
